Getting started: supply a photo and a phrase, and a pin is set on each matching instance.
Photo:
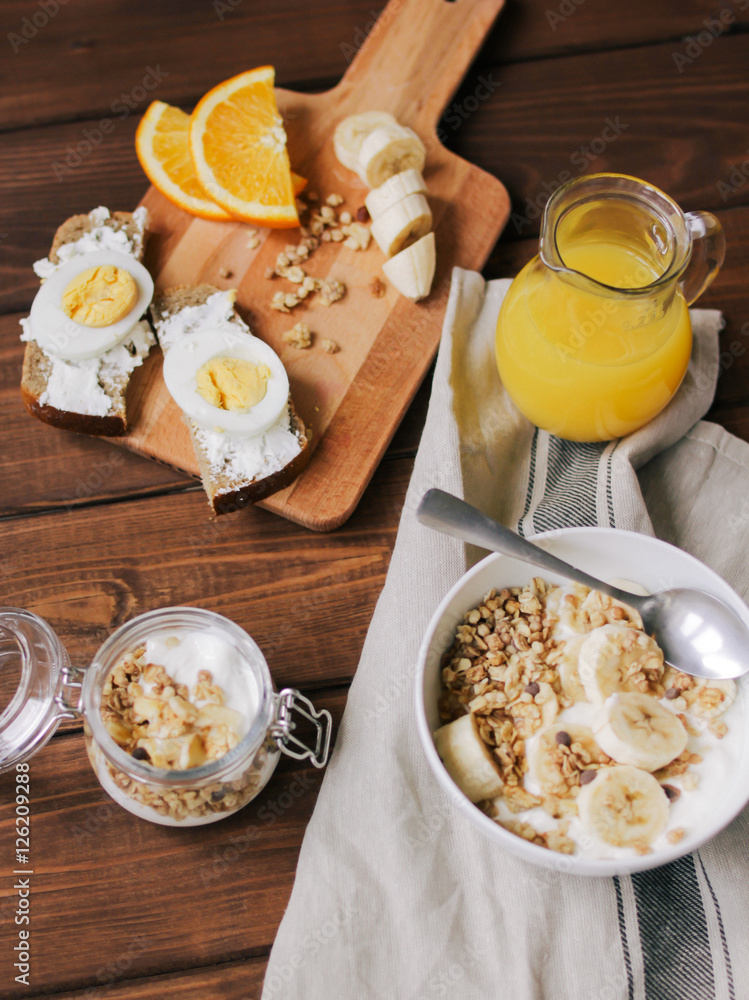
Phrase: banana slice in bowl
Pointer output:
(636, 729)
(565, 758)
(617, 658)
(468, 759)
(624, 807)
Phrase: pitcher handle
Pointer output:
(711, 252)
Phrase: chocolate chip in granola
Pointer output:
(218, 795)
(672, 693)
(587, 776)
(563, 738)
(362, 214)
(533, 689)
(672, 792)
(140, 753)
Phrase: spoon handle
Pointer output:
(447, 513)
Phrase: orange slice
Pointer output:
(238, 147)
(163, 149)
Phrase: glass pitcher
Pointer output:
(594, 337)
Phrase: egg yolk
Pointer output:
(232, 384)
(100, 296)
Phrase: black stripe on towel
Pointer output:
(623, 935)
(531, 480)
(673, 931)
(571, 485)
(727, 957)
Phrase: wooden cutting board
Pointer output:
(410, 64)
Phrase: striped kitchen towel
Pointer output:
(397, 895)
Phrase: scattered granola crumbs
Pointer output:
(224, 272)
(330, 346)
(377, 288)
(336, 235)
(344, 218)
(299, 337)
(279, 302)
(295, 275)
(334, 200)
(358, 235)
(327, 214)
(675, 836)
(270, 272)
(331, 291)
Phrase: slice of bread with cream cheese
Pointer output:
(85, 334)
(234, 394)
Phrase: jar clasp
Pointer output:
(283, 726)
(69, 692)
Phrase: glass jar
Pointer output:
(50, 690)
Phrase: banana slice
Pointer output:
(468, 759)
(568, 669)
(395, 189)
(706, 698)
(560, 749)
(388, 150)
(602, 609)
(402, 224)
(352, 131)
(624, 806)
(412, 270)
(636, 729)
(616, 658)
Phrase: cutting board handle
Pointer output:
(412, 58)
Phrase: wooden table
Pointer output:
(91, 535)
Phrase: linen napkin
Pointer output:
(397, 896)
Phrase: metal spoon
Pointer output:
(698, 634)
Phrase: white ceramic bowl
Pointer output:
(608, 554)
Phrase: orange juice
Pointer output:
(596, 347)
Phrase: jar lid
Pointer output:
(39, 687)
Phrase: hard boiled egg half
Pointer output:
(227, 381)
(90, 304)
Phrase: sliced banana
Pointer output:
(547, 763)
(568, 668)
(706, 698)
(624, 806)
(395, 189)
(352, 131)
(602, 609)
(402, 224)
(412, 270)
(388, 150)
(468, 759)
(616, 658)
(636, 729)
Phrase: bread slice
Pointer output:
(110, 374)
(227, 489)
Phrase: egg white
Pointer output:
(61, 336)
(190, 353)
